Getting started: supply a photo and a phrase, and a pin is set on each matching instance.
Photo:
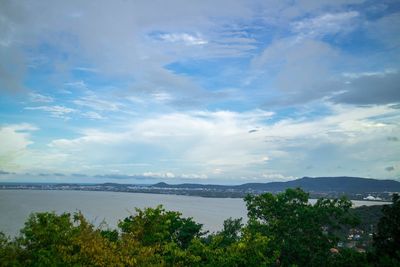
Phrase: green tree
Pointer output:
(49, 239)
(158, 226)
(231, 231)
(8, 252)
(387, 238)
(44, 236)
(302, 233)
(166, 233)
(247, 251)
(347, 258)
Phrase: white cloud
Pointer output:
(80, 85)
(85, 69)
(55, 111)
(194, 176)
(159, 175)
(356, 75)
(35, 97)
(17, 136)
(94, 102)
(218, 144)
(217, 171)
(276, 177)
(264, 159)
(330, 23)
(15, 141)
(194, 139)
(93, 115)
(185, 38)
(162, 97)
(64, 112)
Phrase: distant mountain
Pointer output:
(319, 184)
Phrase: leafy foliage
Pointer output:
(157, 226)
(387, 238)
(302, 233)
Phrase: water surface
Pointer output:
(16, 205)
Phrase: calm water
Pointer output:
(16, 205)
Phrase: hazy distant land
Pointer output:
(355, 188)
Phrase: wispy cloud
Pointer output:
(85, 69)
(162, 97)
(35, 97)
(330, 23)
(96, 103)
(93, 115)
(185, 38)
(159, 175)
(81, 85)
(55, 111)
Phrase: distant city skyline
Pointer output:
(195, 91)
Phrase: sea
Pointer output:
(107, 208)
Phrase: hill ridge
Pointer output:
(345, 184)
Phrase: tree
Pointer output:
(347, 258)
(301, 233)
(158, 226)
(230, 233)
(387, 238)
(43, 238)
(249, 249)
(49, 239)
(8, 252)
(166, 233)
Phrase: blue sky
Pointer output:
(198, 91)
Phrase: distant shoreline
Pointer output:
(160, 192)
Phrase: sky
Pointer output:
(198, 91)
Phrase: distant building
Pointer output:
(369, 197)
